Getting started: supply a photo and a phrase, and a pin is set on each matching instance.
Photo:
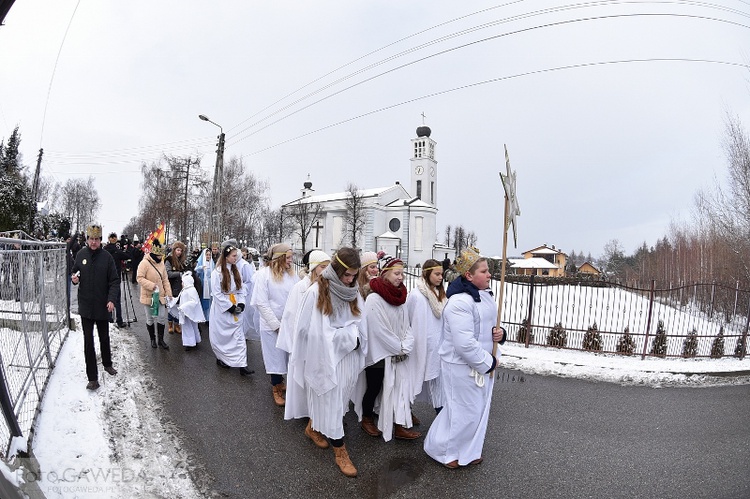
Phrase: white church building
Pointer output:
(398, 221)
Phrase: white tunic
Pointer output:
(225, 329)
(269, 299)
(289, 316)
(247, 271)
(427, 330)
(388, 333)
(190, 312)
(324, 365)
(458, 431)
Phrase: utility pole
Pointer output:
(216, 206)
(35, 189)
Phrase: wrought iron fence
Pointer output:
(34, 319)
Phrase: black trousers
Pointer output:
(102, 327)
(374, 376)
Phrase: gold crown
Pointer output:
(467, 259)
(94, 231)
(157, 248)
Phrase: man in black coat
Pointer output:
(98, 283)
(113, 248)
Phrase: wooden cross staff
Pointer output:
(510, 213)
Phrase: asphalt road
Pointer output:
(548, 437)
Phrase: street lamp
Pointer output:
(218, 176)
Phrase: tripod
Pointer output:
(127, 298)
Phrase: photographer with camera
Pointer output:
(113, 248)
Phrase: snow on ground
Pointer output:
(115, 443)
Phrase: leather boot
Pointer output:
(343, 461)
(278, 396)
(160, 335)
(177, 328)
(368, 424)
(283, 388)
(151, 334)
(170, 329)
(405, 433)
(318, 439)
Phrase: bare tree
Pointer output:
(448, 235)
(244, 202)
(355, 219)
(80, 199)
(303, 217)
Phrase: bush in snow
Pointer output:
(741, 349)
(717, 347)
(690, 344)
(626, 344)
(659, 346)
(523, 331)
(558, 336)
(592, 340)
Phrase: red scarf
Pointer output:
(391, 294)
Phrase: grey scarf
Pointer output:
(338, 288)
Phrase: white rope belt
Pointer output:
(478, 377)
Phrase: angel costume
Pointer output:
(269, 299)
(459, 429)
(390, 339)
(190, 311)
(204, 267)
(327, 358)
(426, 319)
(225, 329)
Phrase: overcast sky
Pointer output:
(602, 149)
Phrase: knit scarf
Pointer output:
(338, 288)
(436, 305)
(391, 294)
(461, 285)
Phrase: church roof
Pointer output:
(387, 235)
(414, 202)
(340, 196)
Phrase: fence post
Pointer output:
(531, 307)
(743, 352)
(7, 405)
(648, 319)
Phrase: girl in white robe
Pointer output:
(425, 306)
(190, 312)
(271, 290)
(456, 437)
(227, 304)
(328, 355)
(391, 372)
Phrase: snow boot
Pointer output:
(160, 334)
(151, 334)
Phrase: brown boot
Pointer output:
(343, 461)
(405, 433)
(170, 329)
(177, 328)
(283, 388)
(368, 424)
(318, 439)
(278, 396)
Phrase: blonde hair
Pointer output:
(278, 267)
(427, 269)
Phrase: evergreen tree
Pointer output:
(690, 344)
(659, 346)
(741, 349)
(558, 336)
(10, 159)
(626, 344)
(592, 340)
(717, 347)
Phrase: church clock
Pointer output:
(419, 169)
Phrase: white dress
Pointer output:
(225, 330)
(427, 330)
(190, 312)
(247, 271)
(387, 330)
(269, 299)
(458, 431)
(324, 365)
(289, 316)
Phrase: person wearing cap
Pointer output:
(456, 437)
(152, 276)
(270, 292)
(369, 270)
(227, 307)
(328, 354)
(390, 373)
(425, 306)
(98, 281)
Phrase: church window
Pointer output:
(394, 225)
(419, 189)
(418, 232)
(338, 232)
(432, 192)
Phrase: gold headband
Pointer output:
(342, 263)
(278, 254)
(365, 264)
(433, 268)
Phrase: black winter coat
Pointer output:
(98, 283)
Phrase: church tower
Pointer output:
(424, 167)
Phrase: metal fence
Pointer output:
(34, 319)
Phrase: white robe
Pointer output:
(387, 330)
(269, 299)
(427, 330)
(247, 271)
(458, 431)
(190, 313)
(225, 330)
(289, 316)
(324, 366)
(204, 267)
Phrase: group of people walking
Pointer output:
(345, 333)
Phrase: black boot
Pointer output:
(160, 334)
(151, 334)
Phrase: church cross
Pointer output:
(317, 228)
(423, 117)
